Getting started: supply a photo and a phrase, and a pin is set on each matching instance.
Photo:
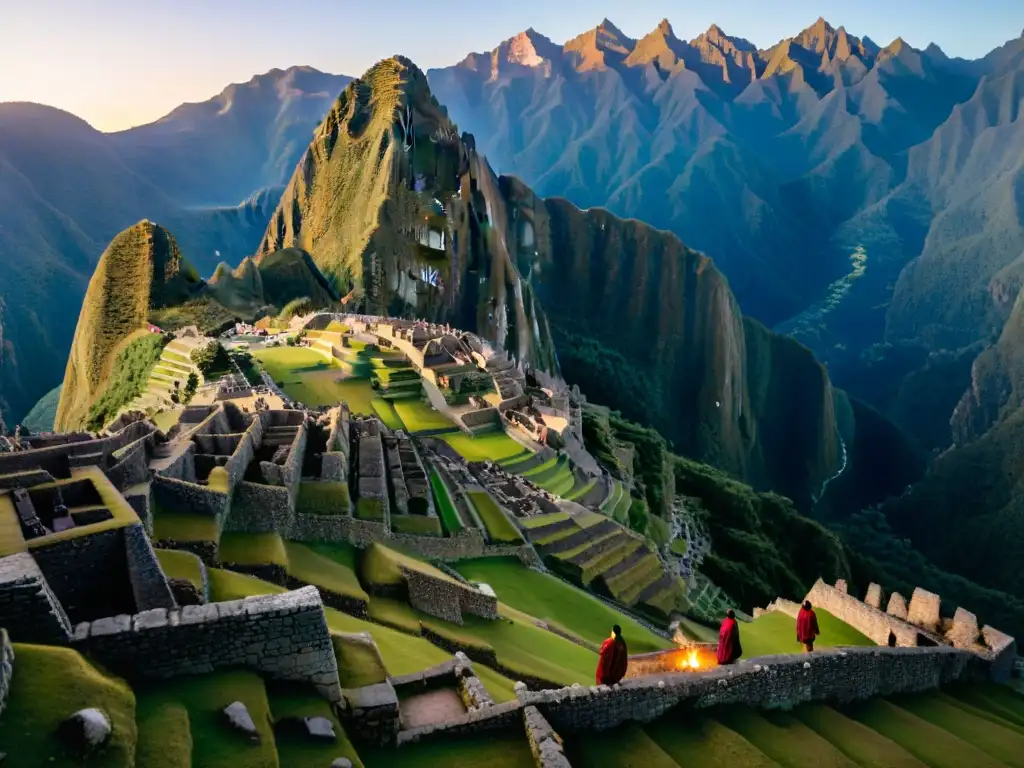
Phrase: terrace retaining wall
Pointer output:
(6, 667)
(182, 496)
(149, 584)
(446, 599)
(28, 608)
(259, 508)
(284, 636)
(837, 676)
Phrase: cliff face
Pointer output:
(140, 270)
(403, 214)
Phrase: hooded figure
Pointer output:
(806, 626)
(729, 648)
(614, 658)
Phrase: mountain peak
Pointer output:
(592, 46)
(665, 28)
(528, 49)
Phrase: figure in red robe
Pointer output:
(806, 627)
(614, 658)
(729, 648)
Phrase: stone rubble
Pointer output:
(237, 716)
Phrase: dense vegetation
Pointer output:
(128, 378)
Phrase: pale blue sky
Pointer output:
(119, 63)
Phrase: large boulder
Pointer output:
(86, 732)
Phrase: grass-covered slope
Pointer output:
(142, 269)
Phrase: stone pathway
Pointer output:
(431, 707)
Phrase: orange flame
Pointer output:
(691, 661)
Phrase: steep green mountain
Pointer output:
(141, 270)
(66, 190)
(392, 203)
(142, 278)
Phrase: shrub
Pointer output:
(210, 358)
(128, 378)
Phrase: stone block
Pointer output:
(111, 625)
(151, 619)
(874, 596)
(841, 586)
(897, 606)
(924, 610)
(965, 632)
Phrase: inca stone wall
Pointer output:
(132, 467)
(28, 608)
(6, 667)
(545, 744)
(182, 496)
(836, 676)
(869, 621)
(149, 584)
(89, 574)
(259, 508)
(924, 610)
(283, 636)
(446, 599)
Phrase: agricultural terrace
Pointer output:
(493, 446)
(311, 378)
(969, 726)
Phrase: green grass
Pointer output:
(50, 684)
(494, 446)
(499, 527)
(295, 748)
(418, 416)
(702, 741)
(369, 509)
(253, 549)
(184, 526)
(340, 552)
(582, 490)
(127, 379)
(627, 746)
(306, 376)
(165, 733)
(358, 664)
(379, 566)
(323, 498)
(445, 508)
(547, 466)
(539, 521)
(164, 420)
(775, 632)
(783, 738)
(310, 566)
(418, 525)
(203, 697)
(863, 745)
(560, 483)
(386, 411)
(181, 565)
(494, 750)
(548, 598)
(678, 546)
(358, 394)
(928, 743)
(402, 653)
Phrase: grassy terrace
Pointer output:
(776, 633)
(181, 565)
(939, 729)
(323, 498)
(418, 416)
(386, 412)
(551, 599)
(445, 508)
(499, 528)
(311, 378)
(494, 446)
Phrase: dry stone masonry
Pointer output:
(283, 636)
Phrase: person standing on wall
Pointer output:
(611, 667)
(806, 626)
(729, 648)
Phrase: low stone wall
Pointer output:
(337, 528)
(771, 682)
(284, 636)
(671, 661)
(149, 584)
(871, 622)
(6, 667)
(28, 608)
(25, 479)
(497, 718)
(1001, 651)
(259, 508)
(244, 451)
(446, 599)
(132, 468)
(181, 496)
(89, 574)
(545, 744)
(334, 467)
(370, 713)
(139, 501)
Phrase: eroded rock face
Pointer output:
(86, 732)
(897, 606)
(237, 716)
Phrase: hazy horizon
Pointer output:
(117, 65)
